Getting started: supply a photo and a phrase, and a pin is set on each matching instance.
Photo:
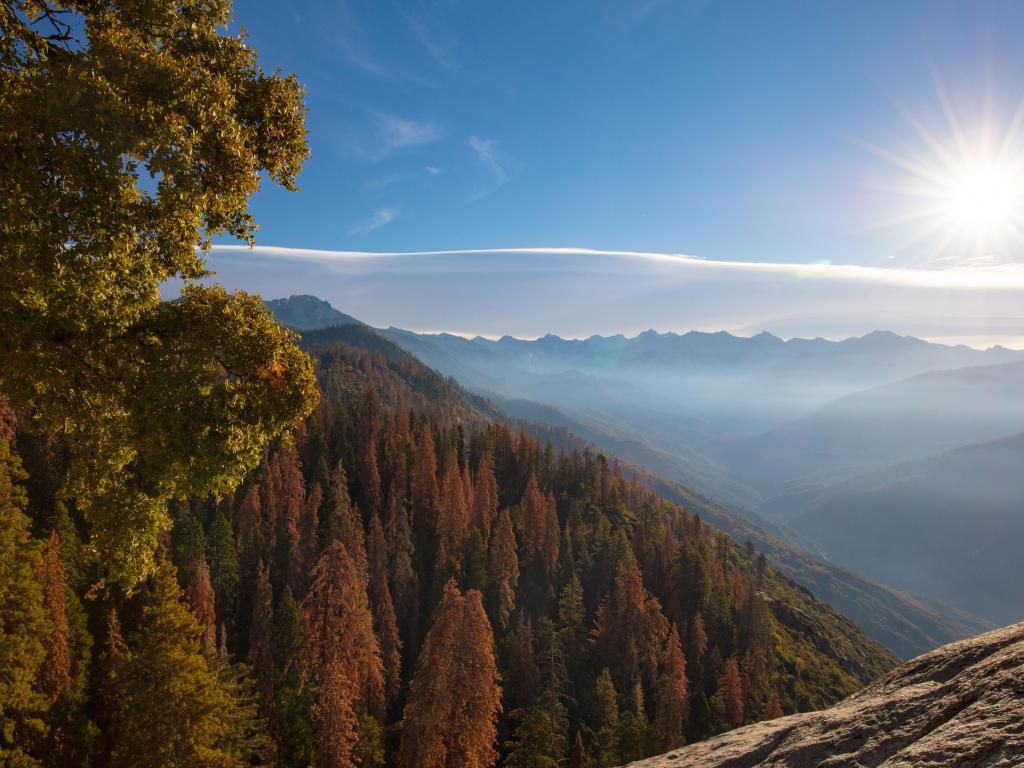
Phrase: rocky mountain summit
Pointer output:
(960, 705)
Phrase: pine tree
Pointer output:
(423, 484)
(606, 721)
(23, 621)
(224, 568)
(729, 697)
(485, 495)
(672, 707)
(334, 717)
(172, 708)
(452, 521)
(504, 571)
(578, 755)
(629, 628)
(251, 541)
(635, 735)
(55, 673)
(385, 623)
(454, 698)
(539, 533)
(340, 626)
(343, 522)
(261, 634)
(201, 598)
(307, 546)
(521, 672)
(697, 645)
(402, 577)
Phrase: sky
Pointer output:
(809, 134)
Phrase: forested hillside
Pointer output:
(407, 581)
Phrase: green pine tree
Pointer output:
(23, 621)
(177, 706)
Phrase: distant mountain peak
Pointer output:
(306, 312)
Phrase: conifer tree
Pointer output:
(578, 755)
(504, 571)
(672, 707)
(339, 626)
(729, 697)
(629, 628)
(334, 717)
(485, 495)
(172, 708)
(452, 527)
(635, 735)
(454, 698)
(606, 721)
(697, 645)
(224, 568)
(307, 546)
(344, 523)
(423, 484)
(251, 540)
(521, 672)
(23, 621)
(201, 598)
(55, 673)
(261, 632)
(402, 577)
(539, 533)
(385, 623)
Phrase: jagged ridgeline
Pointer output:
(412, 579)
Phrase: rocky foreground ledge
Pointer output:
(959, 705)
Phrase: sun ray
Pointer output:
(962, 195)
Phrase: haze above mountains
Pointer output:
(888, 455)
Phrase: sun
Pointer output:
(960, 195)
(985, 199)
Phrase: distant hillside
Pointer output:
(693, 396)
(910, 419)
(948, 527)
(306, 312)
(906, 624)
(613, 565)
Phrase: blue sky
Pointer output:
(731, 131)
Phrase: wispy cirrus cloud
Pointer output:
(348, 36)
(374, 135)
(498, 165)
(379, 218)
(396, 132)
(438, 41)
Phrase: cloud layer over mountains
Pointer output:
(578, 292)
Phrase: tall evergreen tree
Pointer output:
(672, 706)
(504, 571)
(172, 708)
(339, 626)
(385, 623)
(729, 697)
(23, 622)
(454, 699)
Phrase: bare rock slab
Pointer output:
(957, 706)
